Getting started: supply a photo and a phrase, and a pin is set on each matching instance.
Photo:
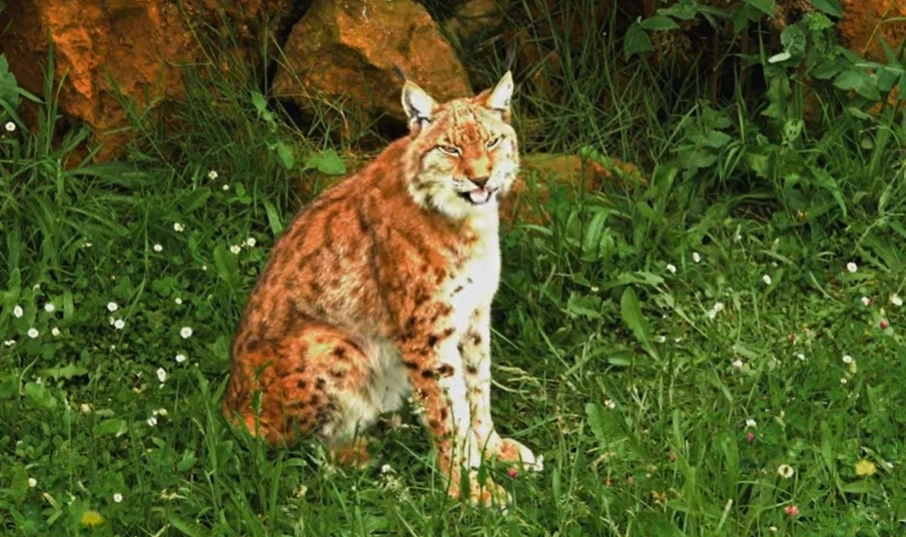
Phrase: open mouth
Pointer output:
(478, 196)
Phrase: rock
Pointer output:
(344, 52)
(476, 19)
(864, 21)
(102, 48)
(540, 172)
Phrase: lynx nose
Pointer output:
(479, 181)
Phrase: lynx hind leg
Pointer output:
(313, 383)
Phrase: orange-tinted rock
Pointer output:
(541, 171)
(344, 52)
(105, 47)
(477, 18)
(864, 21)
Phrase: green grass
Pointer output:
(612, 356)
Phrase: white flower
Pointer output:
(32, 333)
(766, 279)
(750, 423)
(800, 356)
(162, 412)
(152, 421)
(119, 324)
(178, 227)
(55, 332)
(847, 359)
(251, 242)
(178, 301)
(49, 307)
(896, 300)
(843, 380)
(86, 244)
(696, 257)
(112, 306)
(17, 311)
(785, 471)
(866, 301)
(117, 497)
(226, 187)
(161, 375)
(737, 363)
(32, 482)
(204, 267)
(717, 308)
(9, 342)
(660, 339)
(157, 248)
(212, 175)
(610, 404)
(85, 408)
(180, 358)
(10, 126)
(852, 267)
(185, 332)
(235, 249)
(671, 268)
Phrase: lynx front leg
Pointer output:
(475, 349)
(434, 368)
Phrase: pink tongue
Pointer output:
(479, 195)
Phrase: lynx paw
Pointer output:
(352, 453)
(486, 494)
(512, 451)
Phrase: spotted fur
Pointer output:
(381, 290)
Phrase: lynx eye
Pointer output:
(493, 142)
(451, 150)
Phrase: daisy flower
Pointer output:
(785, 471)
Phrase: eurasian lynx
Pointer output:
(381, 289)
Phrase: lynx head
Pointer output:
(463, 153)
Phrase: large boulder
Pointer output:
(866, 21)
(344, 53)
(106, 48)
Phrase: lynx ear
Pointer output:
(498, 98)
(418, 105)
